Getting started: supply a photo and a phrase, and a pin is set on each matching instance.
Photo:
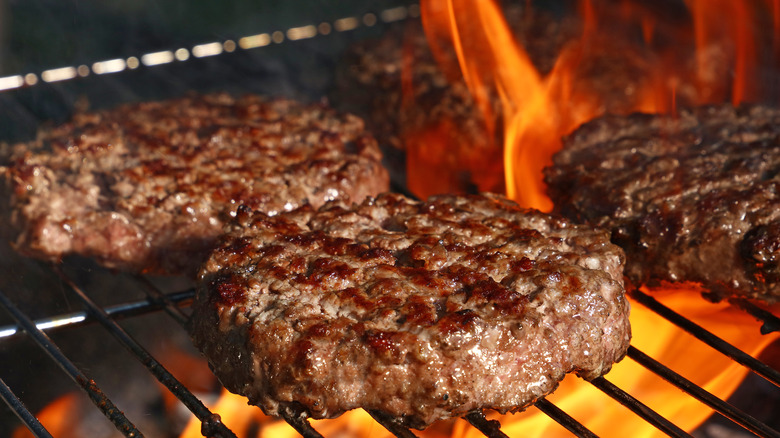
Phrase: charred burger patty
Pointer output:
(423, 310)
(690, 198)
(147, 187)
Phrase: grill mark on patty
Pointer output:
(692, 206)
(148, 187)
(346, 311)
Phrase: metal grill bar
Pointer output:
(727, 410)
(707, 337)
(638, 408)
(210, 421)
(22, 412)
(391, 423)
(491, 428)
(299, 423)
(564, 419)
(78, 319)
(295, 420)
(95, 394)
(771, 323)
(170, 304)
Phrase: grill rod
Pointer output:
(153, 304)
(78, 319)
(95, 394)
(22, 412)
(734, 414)
(169, 302)
(639, 408)
(299, 423)
(294, 419)
(391, 423)
(210, 421)
(708, 338)
(490, 428)
(564, 419)
(771, 323)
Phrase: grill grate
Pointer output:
(141, 77)
(88, 385)
(727, 410)
(707, 337)
(175, 304)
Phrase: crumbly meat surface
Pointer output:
(148, 186)
(423, 310)
(690, 198)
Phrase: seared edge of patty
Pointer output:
(423, 310)
(692, 197)
(149, 186)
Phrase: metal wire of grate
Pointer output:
(173, 304)
(727, 410)
(21, 411)
(639, 408)
(88, 385)
(211, 421)
(755, 365)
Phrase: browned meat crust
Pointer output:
(148, 186)
(423, 310)
(690, 198)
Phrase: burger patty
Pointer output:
(690, 198)
(147, 187)
(422, 310)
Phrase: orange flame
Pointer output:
(654, 336)
(711, 29)
(534, 112)
(60, 417)
(539, 110)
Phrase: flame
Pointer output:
(526, 113)
(470, 39)
(60, 417)
(538, 110)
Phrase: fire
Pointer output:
(60, 417)
(527, 112)
(538, 110)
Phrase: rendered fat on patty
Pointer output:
(691, 198)
(423, 310)
(148, 187)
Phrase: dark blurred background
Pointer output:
(38, 35)
(43, 34)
